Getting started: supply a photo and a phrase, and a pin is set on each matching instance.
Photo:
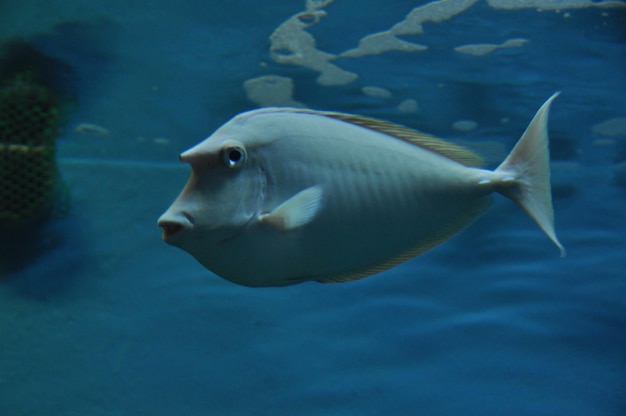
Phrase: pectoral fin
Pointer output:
(295, 212)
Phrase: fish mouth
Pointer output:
(172, 228)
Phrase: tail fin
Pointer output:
(525, 173)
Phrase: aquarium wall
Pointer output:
(98, 316)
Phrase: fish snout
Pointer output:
(173, 224)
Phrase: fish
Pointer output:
(279, 196)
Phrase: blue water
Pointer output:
(99, 317)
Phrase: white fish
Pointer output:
(279, 196)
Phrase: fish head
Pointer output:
(221, 198)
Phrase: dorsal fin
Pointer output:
(451, 151)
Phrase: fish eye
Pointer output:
(234, 156)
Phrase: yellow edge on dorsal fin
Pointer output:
(437, 238)
(451, 151)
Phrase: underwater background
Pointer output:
(99, 317)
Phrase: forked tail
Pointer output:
(525, 173)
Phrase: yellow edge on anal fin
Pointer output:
(437, 238)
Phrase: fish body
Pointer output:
(279, 196)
